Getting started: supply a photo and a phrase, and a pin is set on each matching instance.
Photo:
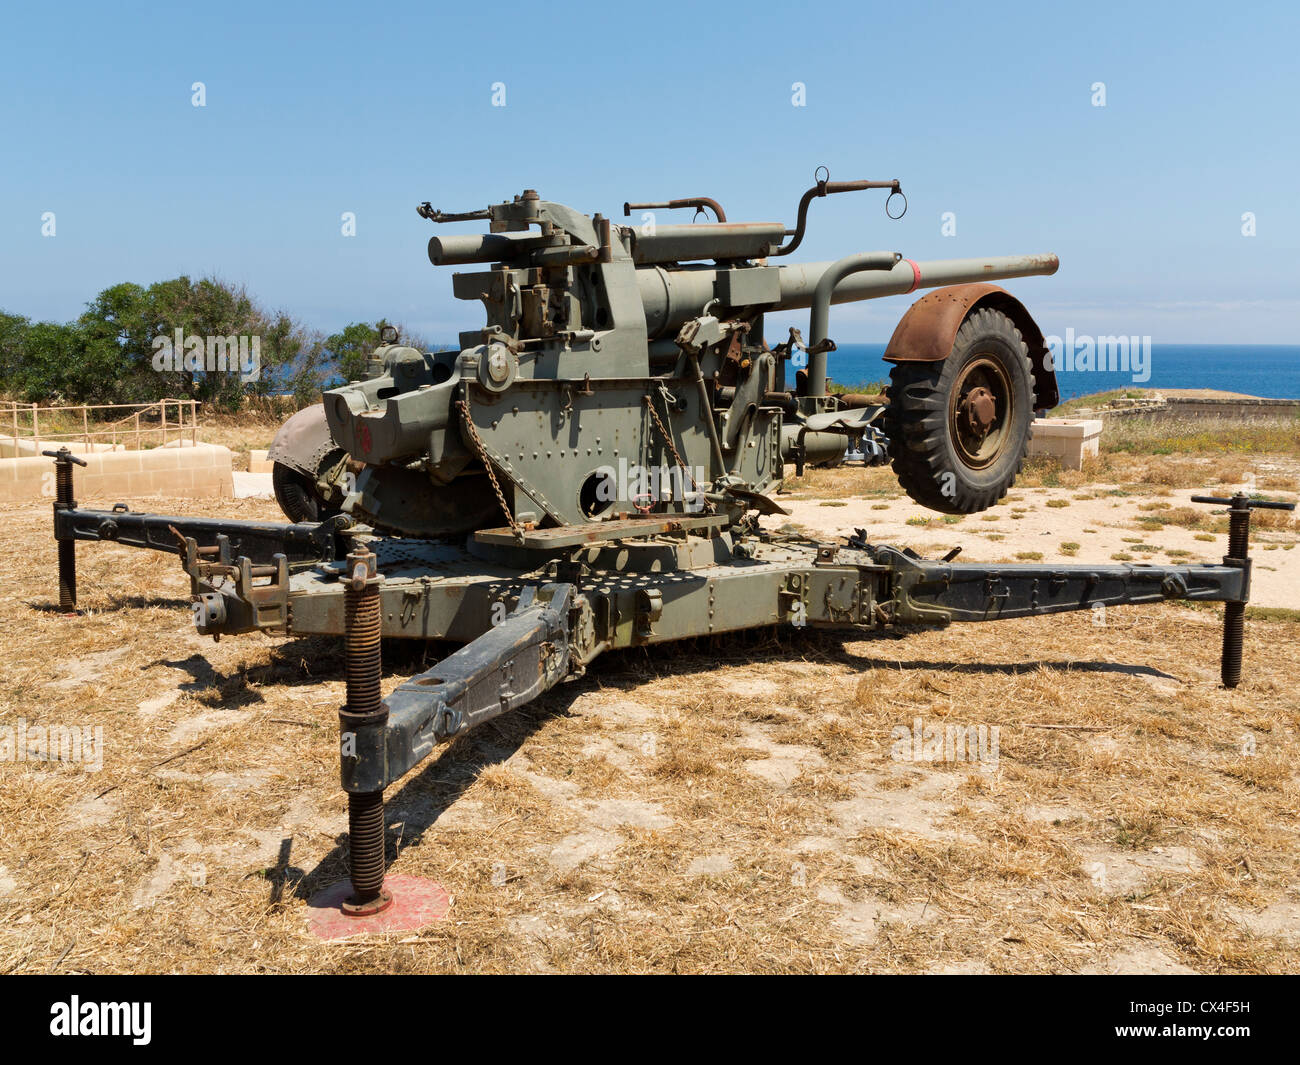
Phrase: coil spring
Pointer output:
(365, 809)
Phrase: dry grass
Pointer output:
(241, 433)
(1218, 435)
(726, 806)
(840, 482)
(719, 806)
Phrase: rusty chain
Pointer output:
(672, 449)
(481, 448)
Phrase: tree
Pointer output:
(130, 346)
(13, 334)
(347, 351)
(216, 314)
(52, 367)
(115, 330)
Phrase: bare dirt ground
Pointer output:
(737, 805)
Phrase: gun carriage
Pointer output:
(592, 469)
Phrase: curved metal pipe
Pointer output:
(690, 201)
(821, 307)
(827, 188)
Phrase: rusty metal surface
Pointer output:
(978, 408)
(927, 331)
(363, 709)
(698, 202)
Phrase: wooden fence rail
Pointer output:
(24, 422)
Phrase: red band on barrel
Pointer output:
(916, 274)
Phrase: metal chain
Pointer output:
(481, 448)
(672, 448)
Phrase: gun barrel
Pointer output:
(672, 297)
(799, 281)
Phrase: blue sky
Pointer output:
(982, 110)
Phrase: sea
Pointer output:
(1271, 371)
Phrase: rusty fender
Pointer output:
(928, 330)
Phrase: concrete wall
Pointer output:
(1187, 407)
(1234, 408)
(199, 472)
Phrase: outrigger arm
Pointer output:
(534, 607)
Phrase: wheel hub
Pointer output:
(979, 411)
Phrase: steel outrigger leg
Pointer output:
(1234, 610)
(63, 501)
(381, 740)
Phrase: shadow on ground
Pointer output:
(416, 804)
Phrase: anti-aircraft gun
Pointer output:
(590, 470)
(613, 347)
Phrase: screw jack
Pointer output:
(63, 460)
(1234, 611)
(361, 604)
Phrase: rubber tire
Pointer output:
(296, 494)
(921, 448)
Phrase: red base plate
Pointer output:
(416, 903)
